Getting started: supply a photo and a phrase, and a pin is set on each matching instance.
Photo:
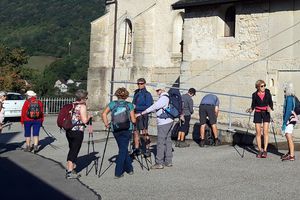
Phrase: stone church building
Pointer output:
(220, 46)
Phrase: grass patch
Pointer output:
(40, 62)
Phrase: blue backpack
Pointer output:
(120, 116)
(174, 108)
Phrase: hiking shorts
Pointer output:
(142, 122)
(260, 117)
(36, 125)
(185, 126)
(207, 111)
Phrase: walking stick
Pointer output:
(104, 152)
(272, 122)
(91, 140)
(7, 124)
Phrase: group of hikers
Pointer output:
(130, 120)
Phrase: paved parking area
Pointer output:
(198, 173)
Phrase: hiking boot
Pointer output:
(157, 166)
(202, 143)
(264, 154)
(289, 157)
(183, 144)
(217, 142)
(259, 154)
(35, 149)
(28, 149)
(72, 175)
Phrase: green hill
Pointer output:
(47, 27)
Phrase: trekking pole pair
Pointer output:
(91, 141)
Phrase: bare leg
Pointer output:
(258, 135)
(289, 138)
(214, 130)
(27, 140)
(35, 140)
(266, 135)
(202, 131)
(136, 139)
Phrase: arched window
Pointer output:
(177, 43)
(126, 38)
(229, 30)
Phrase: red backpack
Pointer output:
(64, 118)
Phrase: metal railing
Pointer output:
(53, 105)
(228, 106)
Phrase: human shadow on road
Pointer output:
(11, 147)
(47, 141)
(84, 161)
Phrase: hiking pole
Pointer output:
(7, 124)
(91, 140)
(104, 152)
(272, 124)
(49, 134)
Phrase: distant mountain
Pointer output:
(49, 27)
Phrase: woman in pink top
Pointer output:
(262, 104)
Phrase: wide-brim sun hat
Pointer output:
(159, 86)
(30, 93)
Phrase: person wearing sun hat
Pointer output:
(32, 118)
(164, 125)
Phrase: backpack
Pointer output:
(174, 108)
(297, 106)
(34, 110)
(120, 116)
(64, 118)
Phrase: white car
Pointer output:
(13, 105)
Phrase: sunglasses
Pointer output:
(140, 83)
(157, 90)
(263, 86)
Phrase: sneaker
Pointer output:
(71, 175)
(289, 157)
(202, 143)
(147, 153)
(264, 154)
(117, 177)
(35, 149)
(157, 166)
(285, 155)
(168, 165)
(259, 155)
(217, 142)
(130, 173)
(184, 145)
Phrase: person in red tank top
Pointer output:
(262, 104)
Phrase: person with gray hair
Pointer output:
(2, 99)
(290, 118)
(164, 125)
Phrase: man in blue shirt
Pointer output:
(142, 100)
(209, 108)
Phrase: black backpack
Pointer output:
(34, 110)
(297, 106)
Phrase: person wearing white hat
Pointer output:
(164, 125)
(32, 118)
(2, 99)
